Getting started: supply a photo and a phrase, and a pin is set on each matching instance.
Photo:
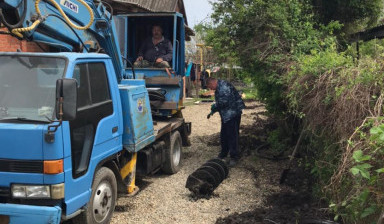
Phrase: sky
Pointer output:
(197, 11)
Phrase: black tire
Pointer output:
(173, 154)
(104, 190)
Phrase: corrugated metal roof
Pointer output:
(153, 5)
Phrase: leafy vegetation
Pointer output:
(341, 103)
(249, 92)
(292, 52)
(356, 14)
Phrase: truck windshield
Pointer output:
(28, 87)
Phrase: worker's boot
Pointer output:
(222, 157)
(232, 162)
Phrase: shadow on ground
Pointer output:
(294, 203)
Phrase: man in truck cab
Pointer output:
(156, 51)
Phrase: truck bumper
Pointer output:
(15, 214)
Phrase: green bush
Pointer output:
(293, 54)
(336, 94)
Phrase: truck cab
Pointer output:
(132, 30)
(57, 171)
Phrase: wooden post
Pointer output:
(381, 218)
(197, 81)
(184, 91)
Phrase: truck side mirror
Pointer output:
(66, 99)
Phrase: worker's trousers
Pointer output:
(229, 138)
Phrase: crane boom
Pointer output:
(65, 26)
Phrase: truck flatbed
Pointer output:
(162, 127)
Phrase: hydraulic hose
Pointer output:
(158, 95)
(110, 8)
(77, 35)
(22, 17)
(18, 31)
(133, 69)
(156, 98)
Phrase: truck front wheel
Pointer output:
(173, 154)
(102, 203)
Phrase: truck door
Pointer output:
(94, 104)
(95, 130)
(178, 42)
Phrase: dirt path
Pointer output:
(164, 199)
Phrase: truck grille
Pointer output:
(19, 166)
(5, 192)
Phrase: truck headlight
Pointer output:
(19, 191)
(38, 191)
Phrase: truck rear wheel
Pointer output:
(173, 154)
(103, 199)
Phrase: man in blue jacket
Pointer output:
(156, 51)
(229, 105)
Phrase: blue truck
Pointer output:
(78, 123)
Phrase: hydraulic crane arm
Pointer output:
(65, 26)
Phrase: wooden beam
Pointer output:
(374, 33)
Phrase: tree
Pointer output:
(354, 14)
(265, 36)
(262, 36)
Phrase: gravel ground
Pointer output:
(164, 199)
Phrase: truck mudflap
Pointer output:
(15, 214)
